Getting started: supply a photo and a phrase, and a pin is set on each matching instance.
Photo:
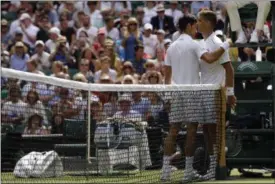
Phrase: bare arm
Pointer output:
(167, 74)
(229, 74)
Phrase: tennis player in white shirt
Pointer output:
(182, 67)
(219, 72)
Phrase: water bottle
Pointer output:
(258, 55)
(262, 119)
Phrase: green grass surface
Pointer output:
(138, 177)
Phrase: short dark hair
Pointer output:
(185, 20)
(209, 16)
(139, 46)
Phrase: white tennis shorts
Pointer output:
(193, 107)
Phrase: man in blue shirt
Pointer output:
(139, 61)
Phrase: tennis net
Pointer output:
(104, 133)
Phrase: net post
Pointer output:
(221, 170)
(89, 127)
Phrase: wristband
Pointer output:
(229, 91)
(225, 45)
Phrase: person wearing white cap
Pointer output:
(29, 30)
(125, 108)
(174, 12)
(54, 34)
(162, 21)
(41, 56)
(160, 37)
(149, 40)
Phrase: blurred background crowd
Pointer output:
(104, 42)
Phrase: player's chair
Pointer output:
(74, 135)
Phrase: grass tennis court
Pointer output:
(139, 177)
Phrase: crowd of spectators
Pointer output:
(118, 42)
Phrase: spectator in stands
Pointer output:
(155, 77)
(16, 23)
(160, 37)
(18, 37)
(67, 31)
(95, 16)
(35, 126)
(111, 107)
(44, 27)
(100, 40)
(41, 56)
(19, 58)
(40, 88)
(54, 34)
(155, 108)
(150, 41)
(5, 58)
(57, 126)
(29, 30)
(48, 9)
(82, 49)
(174, 12)
(89, 28)
(111, 31)
(64, 106)
(14, 109)
(96, 109)
(125, 108)
(127, 68)
(32, 66)
(5, 35)
(57, 68)
(140, 17)
(235, 20)
(138, 62)
(150, 66)
(162, 21)
(132, 37)
(61, 53)
(84, 68)
(105, 69)
(140, 104)
(35, 106)
(129, 79)
(149, 11)
(197, 6)
(109, 49)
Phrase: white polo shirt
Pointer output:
(213, 73)
(184, 58)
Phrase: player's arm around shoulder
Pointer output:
(211, 57)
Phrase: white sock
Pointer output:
(166, 160)
(189, 164)
(166, 169)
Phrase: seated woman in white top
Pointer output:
(105, 69)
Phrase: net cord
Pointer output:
(31, 77)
